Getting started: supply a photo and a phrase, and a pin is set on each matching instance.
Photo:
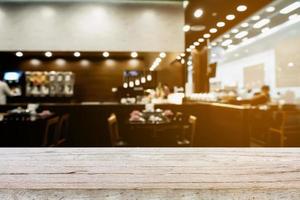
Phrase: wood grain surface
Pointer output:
(149, 173)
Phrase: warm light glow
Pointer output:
(188, 50)
(48, 54)
(77, 54)
(291, 64)
(244, 25)
(182, 61)
(264, 30)
(143, 80)
(226, 36)
(227, 42)
(213, 30)
(270, 9)
(182, 54)
(201, 40)
(137, 82)
(178, 57)
(290, 8)
(125, 85)
(213, 44)
(19, 54)
(255, 18)
(241, 34)
(206, 35)
(185, 4)
(162, 55)
(235, 30)
(220, 24)
(230, 17)
(198, 13)
(241, 8)
(131, 84)
(149, 77)
(134, 54)
(196, 43)
(105, 54)
(186, 28)
(261, 23)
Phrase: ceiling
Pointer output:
(215, 11)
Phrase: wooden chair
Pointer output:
(51, 132)
(63, 130)
(115, 138)
(288, 130)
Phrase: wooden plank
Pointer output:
(143, 173)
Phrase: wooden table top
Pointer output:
(145, 173)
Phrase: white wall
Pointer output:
(91, 26)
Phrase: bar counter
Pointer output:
(218, 124)
(135, 173)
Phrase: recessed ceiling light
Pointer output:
(294, 16)
(19, 54)
(162, 55)
(261, 23)
(188, 50)
(227, 42)
(290, 8)
(220, 24)
(134, 54)
(48, 54)
(182, 54)
(244, 25)
(200, 40)
(206, 35)
(125, 85)
(241, 34)
(234, 30)
(291, 64)
(186, 28)
(185, 4)
(196, 43)
(182, 61)
(105, 54)
(241, 8)
(76, 54)
(255, 18)
(192, 47)
(137, 82)
(230, 17)
(213, 30)
(178, 57)
(270, 9)
(198, 13)
(226, 36)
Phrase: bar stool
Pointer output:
(115, 138)
(51, 131)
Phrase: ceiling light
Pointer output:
(220, 24)
(255, 18)
(178, 57)
(241, 34)
(198, 13)
(134, 54)
(226, 36)
(185, 4)
(143, 80)
(241, 8)
(234, 30)
(162, 55)
(149, 77)
(213, 30)
(131, 84)
(137, 82)
(200, 40)
(206, 35)
(244, 25)
(125, 85)
(270, 9)
(186, 28)
(213, 44)
(192, 47)
(48, 54)
(76, 54)
(230, 17)
(290, 8)
(226, 42)
(264, 30)
(158, 60)
(182, 61)
(196, 43)
(182, 54)
(19, 54)
(105, 54)
(291, 64)
(294, 16)
(261, 23)
(188, 50)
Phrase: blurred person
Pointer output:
(4, 92)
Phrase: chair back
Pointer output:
(51, 131)
(192, 121)
(63, 130)
(113, 129)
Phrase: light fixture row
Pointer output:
(157, 61)
(76, 54)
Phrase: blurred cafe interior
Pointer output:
(150, 73)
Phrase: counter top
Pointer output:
(144, 173)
